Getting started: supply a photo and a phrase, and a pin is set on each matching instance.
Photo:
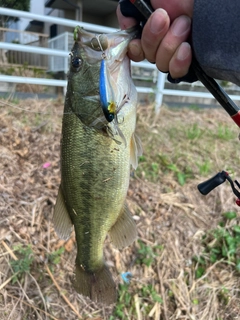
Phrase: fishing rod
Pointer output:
(208, 185)
(145, 9)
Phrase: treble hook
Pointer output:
(100, 46)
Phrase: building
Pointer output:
(102, 12)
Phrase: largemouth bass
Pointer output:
(96, 155)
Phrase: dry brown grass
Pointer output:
(167, 214)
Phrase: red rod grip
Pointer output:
(236, 118)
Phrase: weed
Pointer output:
(194, 107)
(224, 133)
(24, 262)
(149, 291)
(224, 296)
(146, 254)
(150, 170)
(124, 301)
(204, 168)
(55, 256)
(194, 132)
(221, 244)
(181, 176)
(164, 159)
(146, 293)
(142, 158)
(155, 167)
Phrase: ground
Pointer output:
(186, 261)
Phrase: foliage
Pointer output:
(146, 254)
(147, 295)
(145, 292)
(24, 262)
(54, 257)
(194, 132)
(23, 5)
(221, 244)
(181, 175)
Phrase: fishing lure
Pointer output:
(108, 104)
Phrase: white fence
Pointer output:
(157, 88)
(63, 42)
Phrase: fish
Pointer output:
(96, 158)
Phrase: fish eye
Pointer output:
(76, 62)
(110, 117)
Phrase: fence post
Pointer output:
(159, 91)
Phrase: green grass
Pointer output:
(126, 308)
(194, 132)
(24, 262)
(187, 149)
(222, 244)
(146, 292)
(146, 254)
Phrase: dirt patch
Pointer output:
(170, 213)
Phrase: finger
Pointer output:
(125, 22)
(175, 8)
(135, 51)
(181, 60)
(178, 33)
(153, 33)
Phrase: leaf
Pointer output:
(181, 178)
(236, 229)
(230, 215)
(156, 297)
(200, 272)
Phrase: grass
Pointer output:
(185, 263)
(221, 244)
(23, 264)
(27, 71)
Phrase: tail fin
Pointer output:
(98, 286)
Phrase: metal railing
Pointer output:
(16, 57)
(157, 88)
(63, 42)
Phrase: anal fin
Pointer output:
(61, 219)
(124, 231)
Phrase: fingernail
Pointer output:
(158, 21)
(183, 51)
(134, 49)
(181, 25)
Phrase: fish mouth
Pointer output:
(134, 32)
(101, 42)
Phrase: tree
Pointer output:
(23, 5)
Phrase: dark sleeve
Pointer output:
(216, 38)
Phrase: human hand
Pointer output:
(164, 36)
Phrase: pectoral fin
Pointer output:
(61, 219)
(135, 150)
(124, 231)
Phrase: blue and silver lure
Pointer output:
(108, 104)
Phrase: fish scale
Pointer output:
(95, 168)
